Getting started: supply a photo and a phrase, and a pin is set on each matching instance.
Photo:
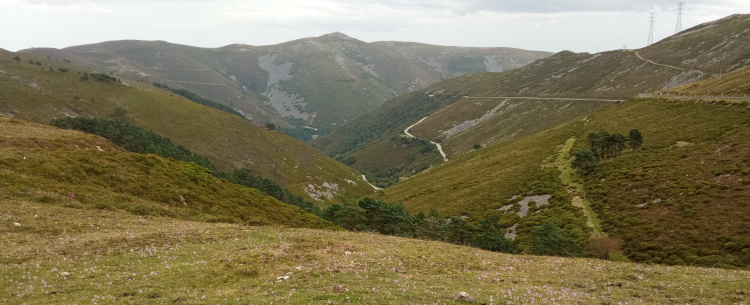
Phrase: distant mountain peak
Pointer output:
(337, 35)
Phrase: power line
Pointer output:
(678, 27)
(651, 32)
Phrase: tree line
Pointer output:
(604, 145)
(143, 141)
(195, 97)
(369, 214)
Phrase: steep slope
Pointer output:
(704, 51)
(42, 92)
(686, 180)
(732, 84)
(62, 255)
(322, 82)
(51, 166)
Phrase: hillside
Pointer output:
(110, 256)
(42, 92)
(686, 180)
(732, 84)
(54, 167)
(705, 51)
(320, 82)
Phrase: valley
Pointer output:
(329, 170)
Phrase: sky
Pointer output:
(545, 25)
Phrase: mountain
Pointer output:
(538, 95)
(321, 82)
(40, 89)
(55, 167)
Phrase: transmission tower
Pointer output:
(651, 32)
(678, 27)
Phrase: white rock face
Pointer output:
(325, 191)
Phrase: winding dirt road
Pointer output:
(439, 147)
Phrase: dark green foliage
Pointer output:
(585, 160)
(62, 69)
(494, 240)
(100, 77)
(459, 231)
(477, 146)
(608, 145)
(201, 100)
(246, 177)
(636, 139)
(139, 140)
(16, 58)
(350, 160)
(491, 238)
(133, 138)
(347, 215)
(548, 239)
(271, 126)
(389, 219)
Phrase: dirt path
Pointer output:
(373, 186)
(439, 147)
(663, 65)
(568, 177)
(542, 98)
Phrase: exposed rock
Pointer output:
(463, 297)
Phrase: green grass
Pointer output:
(513, 118)
(68, 168)
(570, 177)
(230, 142)
(84, 256)
(690, 173)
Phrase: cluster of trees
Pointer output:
(143, 141)
(100, 77)
(604, 145)
(546, 238)
(369, 214)
(133, 138)
(195, 97)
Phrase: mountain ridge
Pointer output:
(320, 82)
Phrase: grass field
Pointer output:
(688, 179)
(59, 255)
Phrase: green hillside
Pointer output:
(42, 92)
(462, 126)
(732, 84)
(62, 255)
(321, 82)
(719, 46)
(54, 167)
(686, 180)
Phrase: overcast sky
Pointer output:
(548, 25)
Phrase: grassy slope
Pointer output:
(67, 168)
(700, 185)
(110, 256)
(33, 93)
(735, 83)
(339, 77)
(720, 46)
(514, 118)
